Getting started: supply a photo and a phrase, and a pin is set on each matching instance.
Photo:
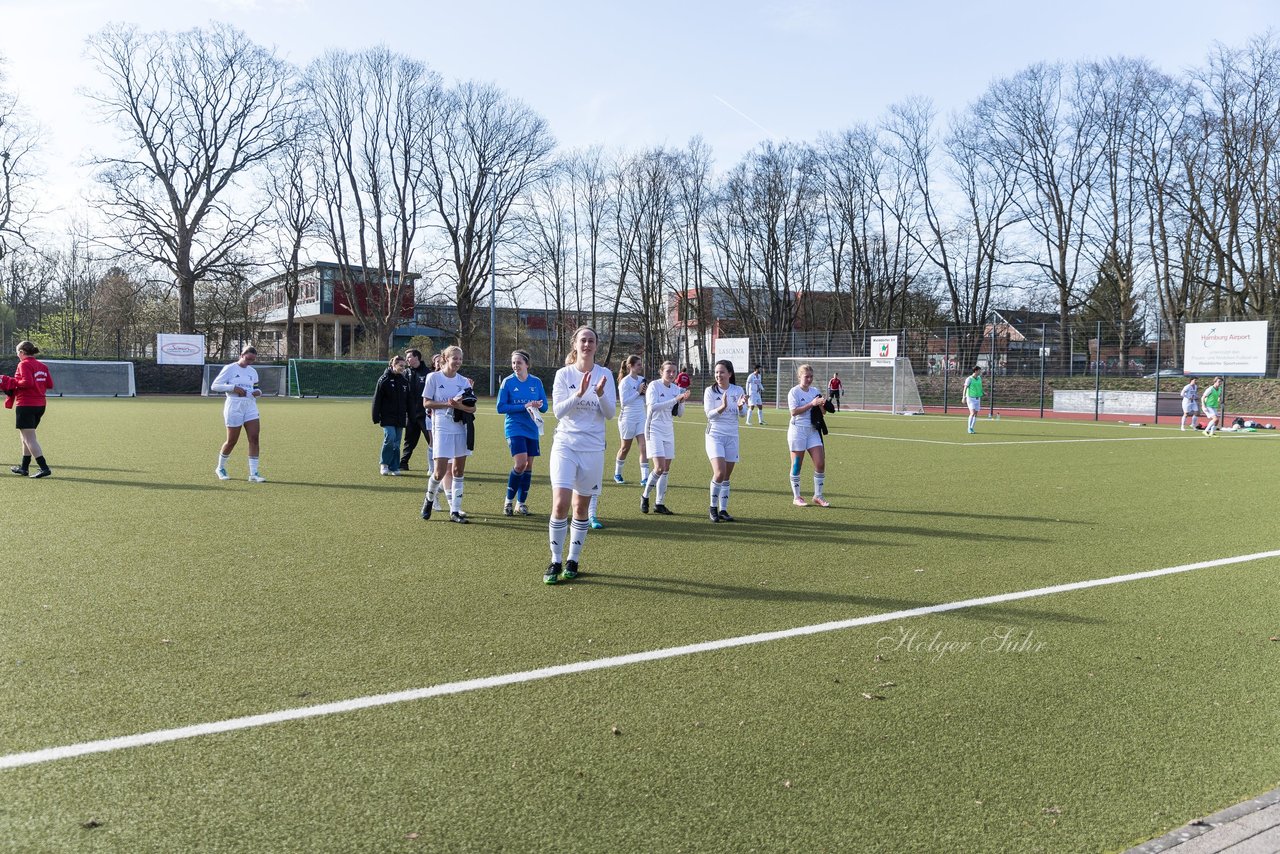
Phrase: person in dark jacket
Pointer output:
(391, 411)
(418, 425)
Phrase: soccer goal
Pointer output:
(333, 377)
(877, 385)
(74, 378)
(272, 380)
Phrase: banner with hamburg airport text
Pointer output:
(1225, 349)
(174, 349)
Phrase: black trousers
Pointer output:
(416, 429)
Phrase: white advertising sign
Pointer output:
(738, 352)
(1238, 348)
(173, 349)
(884, 350)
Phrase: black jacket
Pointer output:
(417, 378)
(818, 419)
(391, 400)
(468, 398)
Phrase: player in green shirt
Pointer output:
(973, 396)
(1210, 402)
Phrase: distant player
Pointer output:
(802, 436)
(833, 389)
(1190, 404)
(664, 399)
(755, 396)
(631, 389)
(724, 403)
(583, 398)
(417, 426)
(26, 390)
(1211, 400)
(239, 381)
(445, 392)
(973, 396)
(519, 397)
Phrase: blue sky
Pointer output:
(628, 75)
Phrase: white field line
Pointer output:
(51, 754)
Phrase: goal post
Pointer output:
(333, 377)
(78, 378)
(272, 380)
(867, 384)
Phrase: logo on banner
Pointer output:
(179, 348)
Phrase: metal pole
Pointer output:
(991, 405)
(1097, 374)
(1042, 370)
(1156, 417)
(493, 285)
(946, 365)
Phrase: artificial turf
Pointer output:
(141, 594)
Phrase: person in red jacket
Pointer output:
(26, 390)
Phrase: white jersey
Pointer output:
(630, 401)
(1190, 394)
(580, 420)
(755, 384)
(232, 377)
(442, 389)
(723, 425)
(798, 397)
(661, 400)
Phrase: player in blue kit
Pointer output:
(522, 399)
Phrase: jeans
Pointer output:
(391, 447)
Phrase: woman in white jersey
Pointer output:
(724, 403)
(663, 400)
(583, 398)
(631, 389)
(443, 393)
(802, 436)
(755, 396)
(1190, 403)
(239, 381)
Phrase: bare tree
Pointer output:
(197, 110)
(486, 149)
(293, 193)
(375, 113)
(19, 142)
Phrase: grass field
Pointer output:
(139, 594)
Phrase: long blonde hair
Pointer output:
(626, 367)
(573, 353)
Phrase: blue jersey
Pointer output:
(512, 397)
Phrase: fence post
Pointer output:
(991, 404)
(946, 364)
(1097, 374)
(1042, 332)
(1156, 414)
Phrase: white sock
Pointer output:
(649, 484)
(223, 460)
(973, 419)
(795, 486)
(662, 488)
(715, 493)
(253, 465)
(818, 480)
(644, 471)
(433, 486)
(578, 529)
(595, 500)
(557, 528)
(724, 495)
(455, 500)
(617, 467)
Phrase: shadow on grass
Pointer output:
(143, 484)
(819, 528)
(879, 604)
(62, 467)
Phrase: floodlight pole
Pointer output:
(493, 283)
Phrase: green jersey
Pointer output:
(973, 387)
(1212, 396)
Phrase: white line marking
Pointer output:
(52, 754)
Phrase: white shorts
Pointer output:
(236, 413)
(630, 426)
(802, 438)
(755, 399)
(575, 470)
(660, 445)
(975, 404)
(1211, 412)
(1190, 407)
(449, 446)
(720, 447)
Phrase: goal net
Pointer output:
(73, 378)
(272, 380)
(878, 385)
(333, 377)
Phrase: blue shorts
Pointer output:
(523, 445)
